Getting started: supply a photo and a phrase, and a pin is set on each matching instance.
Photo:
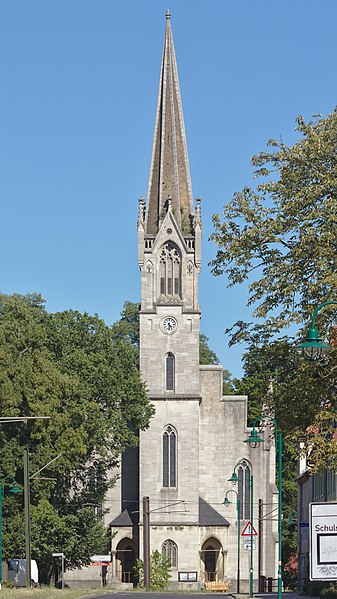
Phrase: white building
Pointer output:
(197, 435)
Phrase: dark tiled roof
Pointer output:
(122, 520)
(208, 516)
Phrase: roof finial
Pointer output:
(168, 14)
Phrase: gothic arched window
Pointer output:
(244, 489)
(169, 270)
(169, 371)
(170, 549)
(169, 457)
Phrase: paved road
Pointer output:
(154, 595)
(190, 595)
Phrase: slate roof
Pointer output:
(122, 520)
(208, 516)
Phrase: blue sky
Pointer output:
(79, 85)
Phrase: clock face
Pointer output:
(169, 324)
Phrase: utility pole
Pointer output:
(9, 420)
(146, 541)
(26, 484)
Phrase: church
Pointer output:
(174, 484)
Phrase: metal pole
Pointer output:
(62, 583)
(251, 569)
(146, 540)
(239, 541)
(261, 587)
(315, 312)
(279, 579)
(1, 496)
(26, 484)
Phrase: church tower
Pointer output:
(169, 254)
(196, 436)
(169, 251)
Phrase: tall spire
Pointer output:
(169, 173)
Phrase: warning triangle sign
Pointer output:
(249, 530)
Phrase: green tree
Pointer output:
(67, 366)
(127, 327)
(206, 354)
(78, 536)
(280, 237)
(160, 571)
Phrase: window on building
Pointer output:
(244, 489)
(169, 367)
(170, 549)
(169, 270)
(169, 457)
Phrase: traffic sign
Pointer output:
(247, 545)
(101, 558)
(248, 530)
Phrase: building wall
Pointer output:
(183, 415)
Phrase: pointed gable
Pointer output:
(123, 519)
(169, 173)
(208, 516)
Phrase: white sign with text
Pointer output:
(323, 541)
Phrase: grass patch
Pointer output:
(49, 593)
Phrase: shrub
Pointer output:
(329, 592)
(160, 567)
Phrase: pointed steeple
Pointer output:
(169, 173)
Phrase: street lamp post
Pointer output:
(254, 441)
(235, 479)
(8, 481)
(313, 347)
(227, 502)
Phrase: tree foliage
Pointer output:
(127, 328)
(281, 236)
(70, 367)
(206, 354)
(160, 571)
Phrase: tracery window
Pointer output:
(169, 371)
(170, 549)
(169, 270)
(169, 457)
(244, 489)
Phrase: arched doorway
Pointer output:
(211, 555)
(126, 557)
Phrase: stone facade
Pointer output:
(196, 436)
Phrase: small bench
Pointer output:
(217, 585)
